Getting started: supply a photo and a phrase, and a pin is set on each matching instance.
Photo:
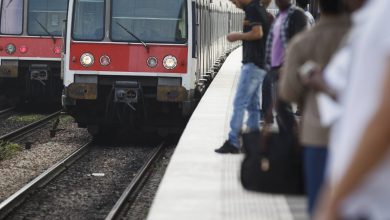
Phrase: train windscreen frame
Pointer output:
(11, 17)
(88, 20)
(45, 17)
(152, 21)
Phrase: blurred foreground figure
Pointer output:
(316, 45)
(359, 157)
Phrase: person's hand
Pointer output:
(326, 208)
(314, 80)
(234, 36)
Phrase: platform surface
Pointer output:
(200, 184)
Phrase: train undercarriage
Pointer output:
(134, 103)
(30, 82)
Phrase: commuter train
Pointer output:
(132, 62)
(30, 49)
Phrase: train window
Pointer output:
(88, 20)
(45, 17)
(11, 17)
(154, 21)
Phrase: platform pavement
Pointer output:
(200, 184)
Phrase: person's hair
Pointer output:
(331, 6)
(302, 3)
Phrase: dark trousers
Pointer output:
(314, 169)
(269, 89)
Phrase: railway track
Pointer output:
(7, 110)
(17, 198)
(107, 199)
(23, 131)
(122, 205)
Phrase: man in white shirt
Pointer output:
(359, 160)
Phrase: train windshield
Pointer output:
(11, 17)
(155, 21)
(45, 17)
(88, 20)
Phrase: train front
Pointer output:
(30, 49)
(127, 62)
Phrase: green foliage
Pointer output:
(8, 149)
(26, 118)
(67, 118)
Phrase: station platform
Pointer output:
(200, 184)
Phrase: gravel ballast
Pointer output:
(17, 121)
(88, 189)
(140, 208)
(45, 152)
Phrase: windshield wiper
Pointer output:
(10, 1)
(129, 32)
(47, 31)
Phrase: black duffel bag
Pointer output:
(273, 162)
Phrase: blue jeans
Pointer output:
(247, 98)
(314, 168)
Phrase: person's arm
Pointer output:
(317, 82)
(297, 23)
(255, 34)
(371, 151)
(253, 19)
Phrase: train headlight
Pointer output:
(87, 59)
(105, 60)
(170, 62)
(10, 49)
(152, 62)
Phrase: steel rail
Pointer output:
(7, 110)
(18, 197)
(119, 206)
(28, 128)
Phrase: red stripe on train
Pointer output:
(127, 57)
(32, 47)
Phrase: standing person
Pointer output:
(266, 4)
(317, 45)
(303, 4)
(247, 97)
(359, 162)
(310, 23)
(290, 21)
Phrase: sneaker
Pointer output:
(227, 147)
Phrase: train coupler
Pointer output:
(40, 73)
(128, 92)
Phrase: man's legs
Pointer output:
(254, 105)
(267, 96)
(248, 85)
